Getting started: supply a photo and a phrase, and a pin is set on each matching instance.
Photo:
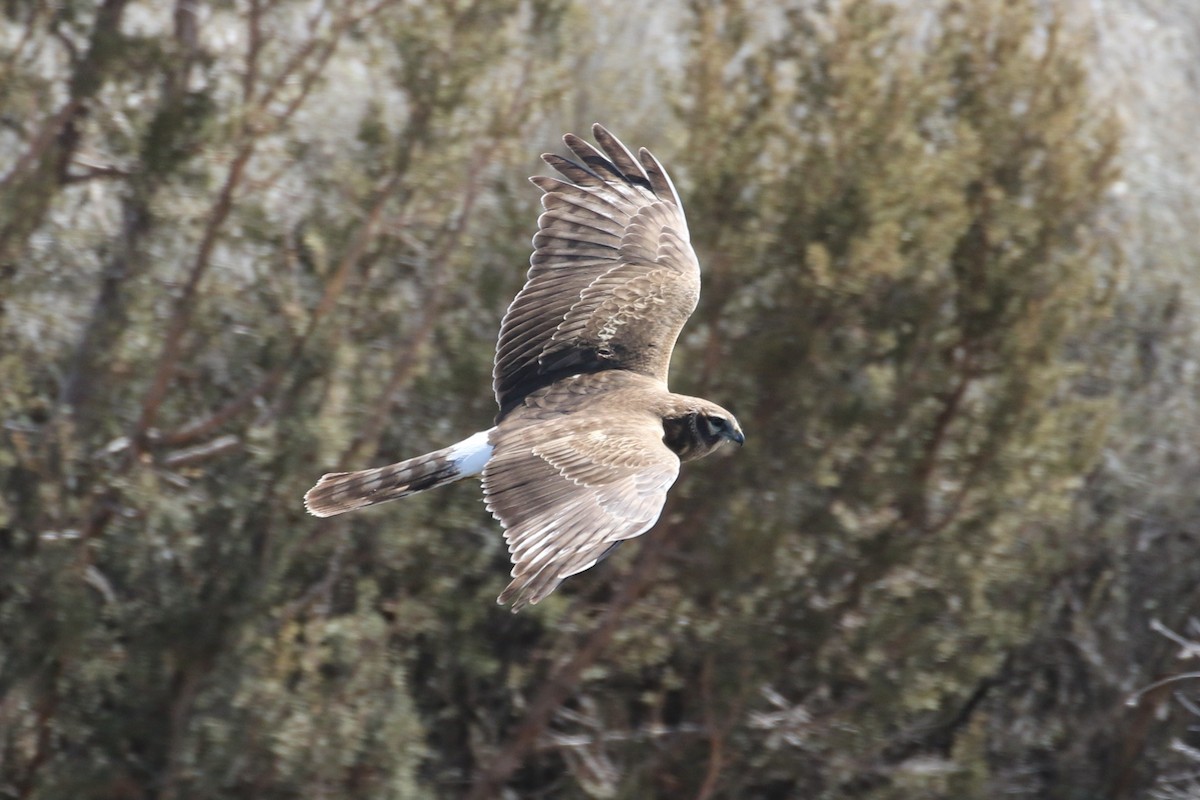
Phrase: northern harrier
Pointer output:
(588, 438)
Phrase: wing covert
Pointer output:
(567, 499)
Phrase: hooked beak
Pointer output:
(738, 437)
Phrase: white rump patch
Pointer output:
(471, 455)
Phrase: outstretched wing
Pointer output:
(612, 278)
(568, 498)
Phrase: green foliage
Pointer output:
(918, 215)
(276, 238)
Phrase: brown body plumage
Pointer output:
(588, 438)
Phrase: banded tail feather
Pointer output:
(339, 492)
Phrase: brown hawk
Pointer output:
(588, 438)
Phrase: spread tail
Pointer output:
(339, 492)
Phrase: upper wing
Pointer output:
(567, 499)
(612, 278)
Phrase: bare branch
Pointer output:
(203, 452)
(716, 735)
(184, 305)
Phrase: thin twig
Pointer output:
(716, 735)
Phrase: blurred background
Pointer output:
(950, 291)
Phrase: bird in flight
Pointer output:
(588, 438)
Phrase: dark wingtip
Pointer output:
(520, 602)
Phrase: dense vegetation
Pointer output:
(248, 242)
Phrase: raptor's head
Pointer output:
(716, 427)
(699, 429)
